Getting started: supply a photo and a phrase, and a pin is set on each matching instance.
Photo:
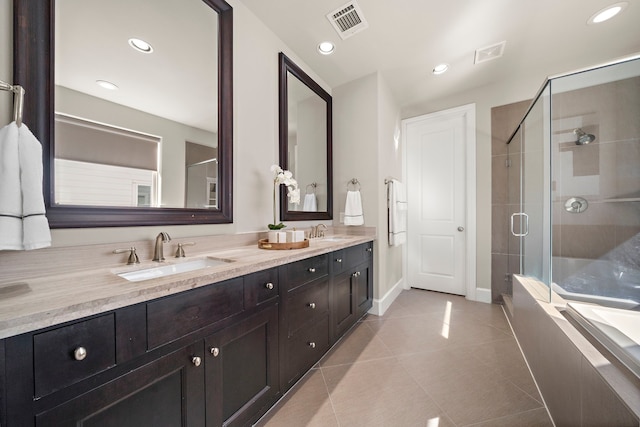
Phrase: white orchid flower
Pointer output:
(293, 192)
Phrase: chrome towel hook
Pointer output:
(18, 100)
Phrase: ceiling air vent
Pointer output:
(348, 20)
(490, 52)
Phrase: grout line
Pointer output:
(500, 418)
(326, 386)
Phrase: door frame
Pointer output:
(468, 113)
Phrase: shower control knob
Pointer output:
(461, 229)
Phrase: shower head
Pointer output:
(583, 138)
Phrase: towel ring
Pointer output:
(354, 182)
(313, 186)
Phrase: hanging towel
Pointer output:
(10, 193)
(310, 203)
(397, 207)
(353, 209)
(23, 224)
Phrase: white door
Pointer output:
(437, 199)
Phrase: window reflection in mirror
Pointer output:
(169, 95)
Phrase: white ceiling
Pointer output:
(407, 38)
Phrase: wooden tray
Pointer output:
(264, 244)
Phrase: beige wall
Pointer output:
(365, 118)
(255, 131)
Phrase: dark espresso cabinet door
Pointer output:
(168, 392)
(242, 370)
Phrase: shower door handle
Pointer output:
(526, 224)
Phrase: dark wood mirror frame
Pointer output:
(33, 69)
(287, 65)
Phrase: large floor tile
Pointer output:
(432, 360)
(378, 393)
(360, 344)
(465, 389)
(307, 404)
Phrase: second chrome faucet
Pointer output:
(158, 252)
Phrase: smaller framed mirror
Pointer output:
(305, 143)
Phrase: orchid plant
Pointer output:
(283, 177)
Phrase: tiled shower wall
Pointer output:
(504, 249)
(606, 172)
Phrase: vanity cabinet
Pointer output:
(168, 391)
(216, 355)
(352, 287)
(304, 316)
(204, 357)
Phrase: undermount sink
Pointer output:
(171, 269)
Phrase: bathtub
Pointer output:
(599, 281)
(617, 329)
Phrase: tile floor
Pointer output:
(433, 360)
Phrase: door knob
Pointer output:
(460, 228)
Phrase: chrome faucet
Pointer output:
(316, 231)
(161, 238)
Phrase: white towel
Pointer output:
(310, 203)
(353, 209)
(23, 224)
(397, 207)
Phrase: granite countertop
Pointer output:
(40, 302)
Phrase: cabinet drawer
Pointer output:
(304, 271)
(260, 287)
(72, 353)
(337, 262)
(307, 303)
(173, 317)
(358, 254)
(304, 349)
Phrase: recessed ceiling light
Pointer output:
(326, 48)
(607, 13)
(440, 68)
(107, 85)
(140, 45)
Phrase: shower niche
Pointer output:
(573, 179)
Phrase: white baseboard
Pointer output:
(483, 295)
(381, 305)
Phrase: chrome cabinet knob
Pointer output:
(339, 260)
(196, 360)
(269, 286)
(312, 344)
(215, 351)
(369, 250)
(80, 353)
(356, 274)
(461, 229)
(312, 305)
(312, 270)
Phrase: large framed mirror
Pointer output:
(133, 134)
(305, 143)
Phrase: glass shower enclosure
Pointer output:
(574, 190)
